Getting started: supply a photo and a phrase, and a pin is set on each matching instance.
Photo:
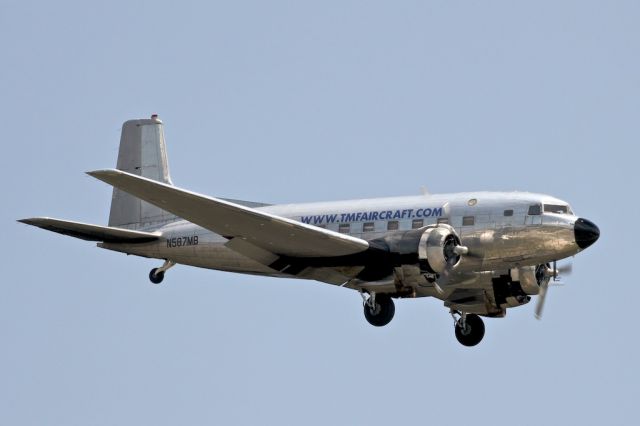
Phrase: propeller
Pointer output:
(541, 298)
(548, 274)
(453, 251)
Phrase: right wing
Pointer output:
(261, 235)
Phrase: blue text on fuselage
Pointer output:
(372, 216)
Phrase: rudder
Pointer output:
(142, 152)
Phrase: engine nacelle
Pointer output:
(509, 292)
(429, 250)
(530, 277)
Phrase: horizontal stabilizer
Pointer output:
(90, 232)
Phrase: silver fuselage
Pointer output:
(501, 229)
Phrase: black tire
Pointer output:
(473, 333)
(383, 312)
(156, 277)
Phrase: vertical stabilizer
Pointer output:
(143, 153)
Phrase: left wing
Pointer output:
(252, 230)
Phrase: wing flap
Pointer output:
(271, 233)
(89, 232)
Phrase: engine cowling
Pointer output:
(439, 249)
(531, 277)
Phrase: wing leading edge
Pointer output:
(268, 232)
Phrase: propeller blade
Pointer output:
(541, 298)
(551, 274)
(561, 271)
(565, 269)
(443, 278)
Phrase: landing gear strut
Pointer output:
(378, 309)
(469, 328)
(156, 275)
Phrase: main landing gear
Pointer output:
(378, 309)
(469, 328)
(156, 275)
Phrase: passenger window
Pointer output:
(443, 220)
(508, 212)
(417, 223)
(344, 228)
(368, 227)
(468, 221)
(534, 210)
(322, 226)
(392, 225)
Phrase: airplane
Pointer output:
(481, 253)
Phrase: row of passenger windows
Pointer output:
(392, 225)
(471, 220)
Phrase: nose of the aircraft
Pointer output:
(586, 233)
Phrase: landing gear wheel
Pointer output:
(382, 311)
(155, 276)
(470, 331)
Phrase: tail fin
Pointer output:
(143, 153)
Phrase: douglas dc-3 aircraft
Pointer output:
(481, 252)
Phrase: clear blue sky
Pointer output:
(299, 101)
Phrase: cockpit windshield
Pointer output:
(557, 208)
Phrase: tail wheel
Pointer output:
(381, 313)
(155, 276)
(470, 331)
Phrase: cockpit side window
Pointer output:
(556, 208)
(535, 210)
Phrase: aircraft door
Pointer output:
(534, 215)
